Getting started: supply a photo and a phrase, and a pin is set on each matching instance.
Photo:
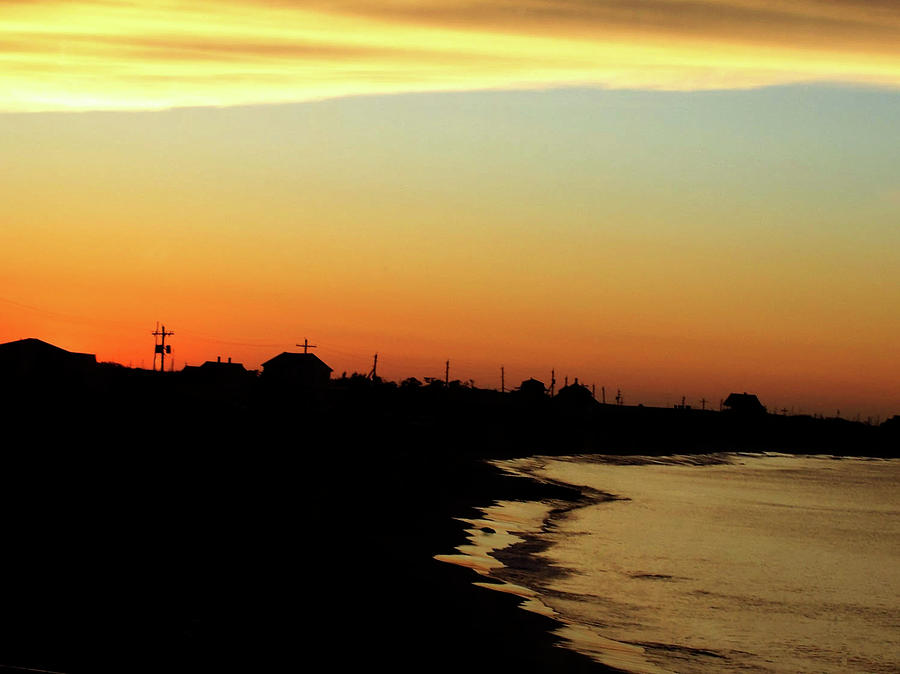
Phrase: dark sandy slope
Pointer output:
(248, 549)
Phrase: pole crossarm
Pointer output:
(306, 345)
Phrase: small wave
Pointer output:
(676, 648)
(715, 459)
(656, 576)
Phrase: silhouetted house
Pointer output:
(744, 403)
(532, 389)
(575, 396)
(217, 372)
(301, 370)
(215, 381)
(36, 361)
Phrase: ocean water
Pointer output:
(720, 563)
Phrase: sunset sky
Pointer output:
(672, 198)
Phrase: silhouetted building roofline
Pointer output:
(285, 357)
(744, 403)
(296, 369)
(31, 354)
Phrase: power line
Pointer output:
(71, 318)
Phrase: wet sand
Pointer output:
(431, 614)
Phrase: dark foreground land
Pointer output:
(241, 557)
(153, 527)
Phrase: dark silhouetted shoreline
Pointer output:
(188, 523)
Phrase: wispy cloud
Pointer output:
(117, 54)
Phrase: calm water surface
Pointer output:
(750, 563)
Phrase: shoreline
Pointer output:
(473, 625)
(187, 564)
(211, 547)
(510, 532)
(585, 640)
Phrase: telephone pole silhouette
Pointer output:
(447, 374)
(306, 345)
(160, 347)
(374, 373)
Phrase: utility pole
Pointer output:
(552, 382)
(502, 380)
(161, 348)
(703, 402)
(447, 374)
(374, 372)
(306, 345)
(619, 398)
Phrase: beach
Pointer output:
(234, 538)
(244, 553)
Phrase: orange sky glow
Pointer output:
(671, 198)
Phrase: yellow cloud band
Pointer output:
(142, 55)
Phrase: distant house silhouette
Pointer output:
(303, 370)
(532, 389)
(744, 403)
(33, 359)
(575, 396)
(217, 367)
(218, 373)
